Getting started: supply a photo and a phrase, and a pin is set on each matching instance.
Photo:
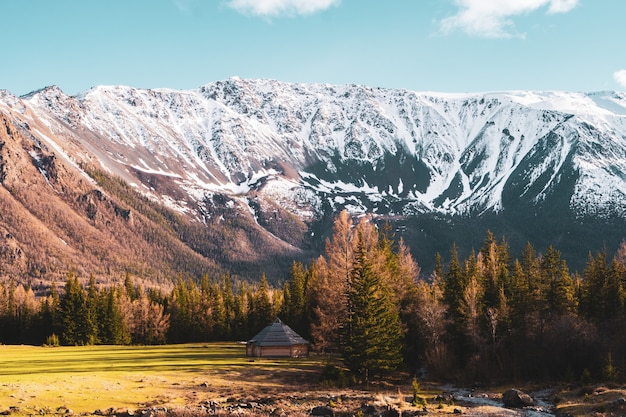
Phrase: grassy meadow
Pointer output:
(41, 380)
(83, 379)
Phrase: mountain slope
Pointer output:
(58, 215)
(450, 153)
(273, 161)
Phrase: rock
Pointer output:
(154, 411)
(204, 384)
(515, 398)
(457, 411)
(322, 410)
(277, 412)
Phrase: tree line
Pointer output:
(135, 314)
(485, 317)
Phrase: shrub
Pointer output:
(334, 376)
(415, 385)
(52, 341)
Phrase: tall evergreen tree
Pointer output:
(557, 283)
(48, 312)
(454, 284)
(293, 310)
(372, 334)
(261, 312)
(93, 313)
(240, 313)
(73, 313)
(113, 330)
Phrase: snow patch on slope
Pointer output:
(261, 136)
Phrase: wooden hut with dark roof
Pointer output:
(277, 340)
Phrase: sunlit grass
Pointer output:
(84, 379)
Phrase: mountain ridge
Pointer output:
(308, 137)
(270, 151)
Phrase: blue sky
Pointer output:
(423, 45)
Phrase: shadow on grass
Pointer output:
(141, 359)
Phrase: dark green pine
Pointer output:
(372, 333)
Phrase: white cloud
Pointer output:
(274, 8)
(620, 77)
(562, 6)
(492, 18)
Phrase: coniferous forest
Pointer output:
(491, 316)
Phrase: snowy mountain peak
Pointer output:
(305, 146)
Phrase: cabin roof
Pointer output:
(278, 334)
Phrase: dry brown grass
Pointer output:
(597, 401)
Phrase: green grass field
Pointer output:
(47, 381)
(40, 380)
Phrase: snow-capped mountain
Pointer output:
(263, 147)
(370, 149)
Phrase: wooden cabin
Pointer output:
(277, 340)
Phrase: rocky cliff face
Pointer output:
(284, 157)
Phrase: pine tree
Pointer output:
(293, 310)
(372, 334)
(261, 312)
(113, 329)
(454, 284)
(131, 291)
(602, 295)
(48, 312)
(228, 302)
(240, 313)
(404, 283)
(73, 313)
(93, 315)
(614, 290)
(521, 299)
(557, 283)
(206, 318)
(219, 316)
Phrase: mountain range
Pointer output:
(244, 176)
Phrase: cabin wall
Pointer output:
(276, 351)
(296, 351)
(299, 351)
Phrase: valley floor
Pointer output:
(217, 379)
